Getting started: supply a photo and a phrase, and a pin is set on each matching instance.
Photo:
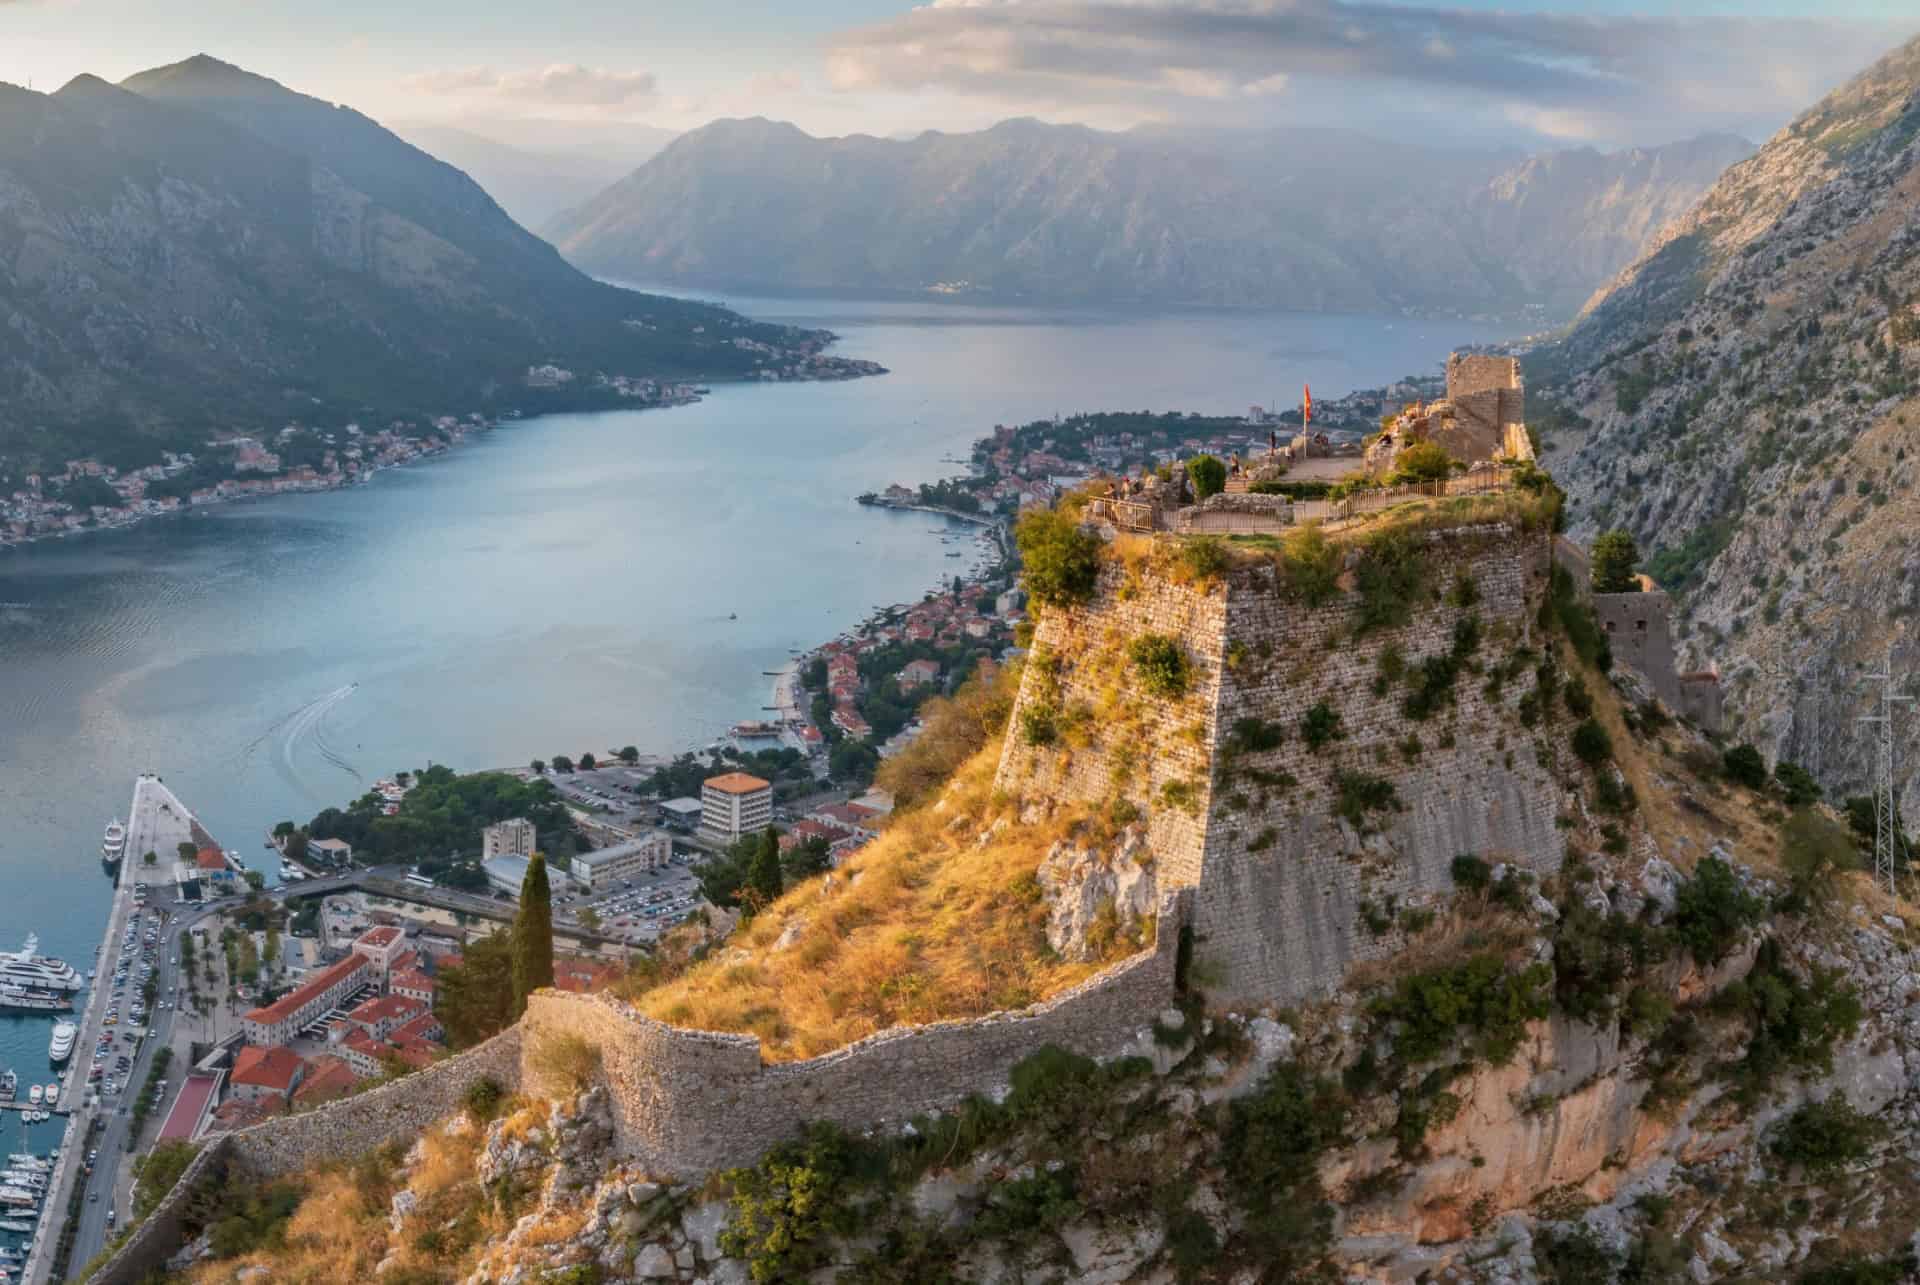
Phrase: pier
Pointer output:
(159, 823)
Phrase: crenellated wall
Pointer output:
(1280, 879)
(687, 1102)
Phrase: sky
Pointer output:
(1524, 72)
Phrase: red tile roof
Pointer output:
(210, 859)
(268, 1068)
(328, 1077)
(299, 996)
(735, 783)
(378, 937)
(387, 1008)
(413, 980)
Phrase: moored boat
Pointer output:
(60, 1047)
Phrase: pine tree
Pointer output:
(764, 883)
(532, 935)
(1615, 563)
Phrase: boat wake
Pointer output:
(295, 729)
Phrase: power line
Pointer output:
(1889, 839)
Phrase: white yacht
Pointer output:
(114, 845)
(62, 1043)
(52, 1094)
(33, 1095)
(27, 967)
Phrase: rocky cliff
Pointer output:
(1299, 219)
(1744, 403)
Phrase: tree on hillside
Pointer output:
(561, 763)
(1208, 475)
(533, 935)
(539, 767)
(475, 997)
(764, 879)
(1616, 563)
(588, 762)
(629, 754)
(1061, 560)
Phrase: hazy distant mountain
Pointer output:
(204, 248)
(535, 183)
(1310, 219)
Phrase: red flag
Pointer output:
(1306, 416)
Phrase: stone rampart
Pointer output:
(158, 1238)
(1282, 910)
(394, 1112)
(1284, 885)
(687, 1102)
(1118, 743)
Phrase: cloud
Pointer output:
(560, 85)
(1591, 76)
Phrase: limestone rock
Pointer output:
(653, 1263)
(1093, 893)
(703, 1225)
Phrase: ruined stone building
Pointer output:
(1481, 419)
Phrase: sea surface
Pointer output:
(570, 583)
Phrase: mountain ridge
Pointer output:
(208, 251)
(1306, 219)
(1744, 400)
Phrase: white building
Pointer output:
(514, 838)
(312, 1000)
(734, 804)
(605, 867)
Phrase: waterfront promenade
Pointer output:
(159, 823)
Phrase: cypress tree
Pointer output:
(532, 935)
(763, 876)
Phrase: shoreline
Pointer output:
(127, 519)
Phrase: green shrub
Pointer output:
(1577, 620)
(1863, 1271)
(1161, 665)
(1471, 873)
(1309, 566)
(1822, 1137)
(1814, 850)
(1061, 560)
(482, 1098)
(1711, 911)
(1039, 725)
(1591, 744)
(1208, 475)
(1270, 1148)
(1572, 1257)
(1796, 784)
(1578, 700)
(787, 1209)
(1358, 794)
(1744, 766)
(1191, 1244)
(1422, 462)
(1320, 725)
(1253, 735)
(1204, 556)
(1597, 957)
(1464, 593)
(1391, 577)
(1792, 1025)
(1478, 996)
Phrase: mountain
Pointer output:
(201, 248)
(1745, 400)
(533, 184)
(1297, 218)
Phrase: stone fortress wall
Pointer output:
(394, 1112)
(688, 1102)
(1279, 877)
(1639, 629)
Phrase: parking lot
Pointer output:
(641, 907)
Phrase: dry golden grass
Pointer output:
(922, 925)
(338, 1233)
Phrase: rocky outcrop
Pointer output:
(1747, 403)
(1096, 896)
